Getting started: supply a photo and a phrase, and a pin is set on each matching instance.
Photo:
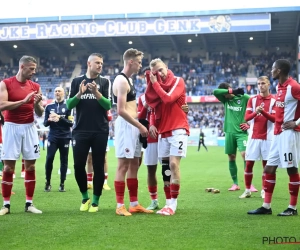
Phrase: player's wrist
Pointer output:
(78, 95)
(230, 90)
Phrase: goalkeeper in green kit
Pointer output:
(235, 127)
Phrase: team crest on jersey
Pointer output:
(63, 110)
(74, 143)
(280, 93)
(238, 101)
(262, 104)
(48, 143)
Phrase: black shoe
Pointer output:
(47, 187)
(61, 188)
(260, 210)
(288, 212)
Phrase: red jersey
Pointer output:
(261, 125)
(287, 105)
(17, 91)
(173, 117)
(144, 113)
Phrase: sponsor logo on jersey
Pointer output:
(234, 108)
(279, 104)
(88, 96)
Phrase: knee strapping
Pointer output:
(166, 172)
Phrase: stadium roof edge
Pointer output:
(147, 15)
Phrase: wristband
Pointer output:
(297, 122)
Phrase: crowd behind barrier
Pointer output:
(201, 77)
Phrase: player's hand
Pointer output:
(92, 87)
(37, 98)
(82, 87)
(153, 78)
(143, 131)
(288, 125)
(244, 126)
(53, 117)
(28, 97)
(153, 132)
(259, 109)
(185, 108)
(238, 91)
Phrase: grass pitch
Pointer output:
(202, 221)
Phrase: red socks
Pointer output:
(29, 184)
(132, 185)
(174, 190)
(153, 192)
(7, 183)
(294, 189)
(120, 190)
(248, 175)
(269, 185)
(167, 192)
(89, 176)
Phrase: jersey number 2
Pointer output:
(36, 149)
(180, 145)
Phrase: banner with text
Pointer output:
(137, 27)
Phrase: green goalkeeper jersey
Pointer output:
(235, 110)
